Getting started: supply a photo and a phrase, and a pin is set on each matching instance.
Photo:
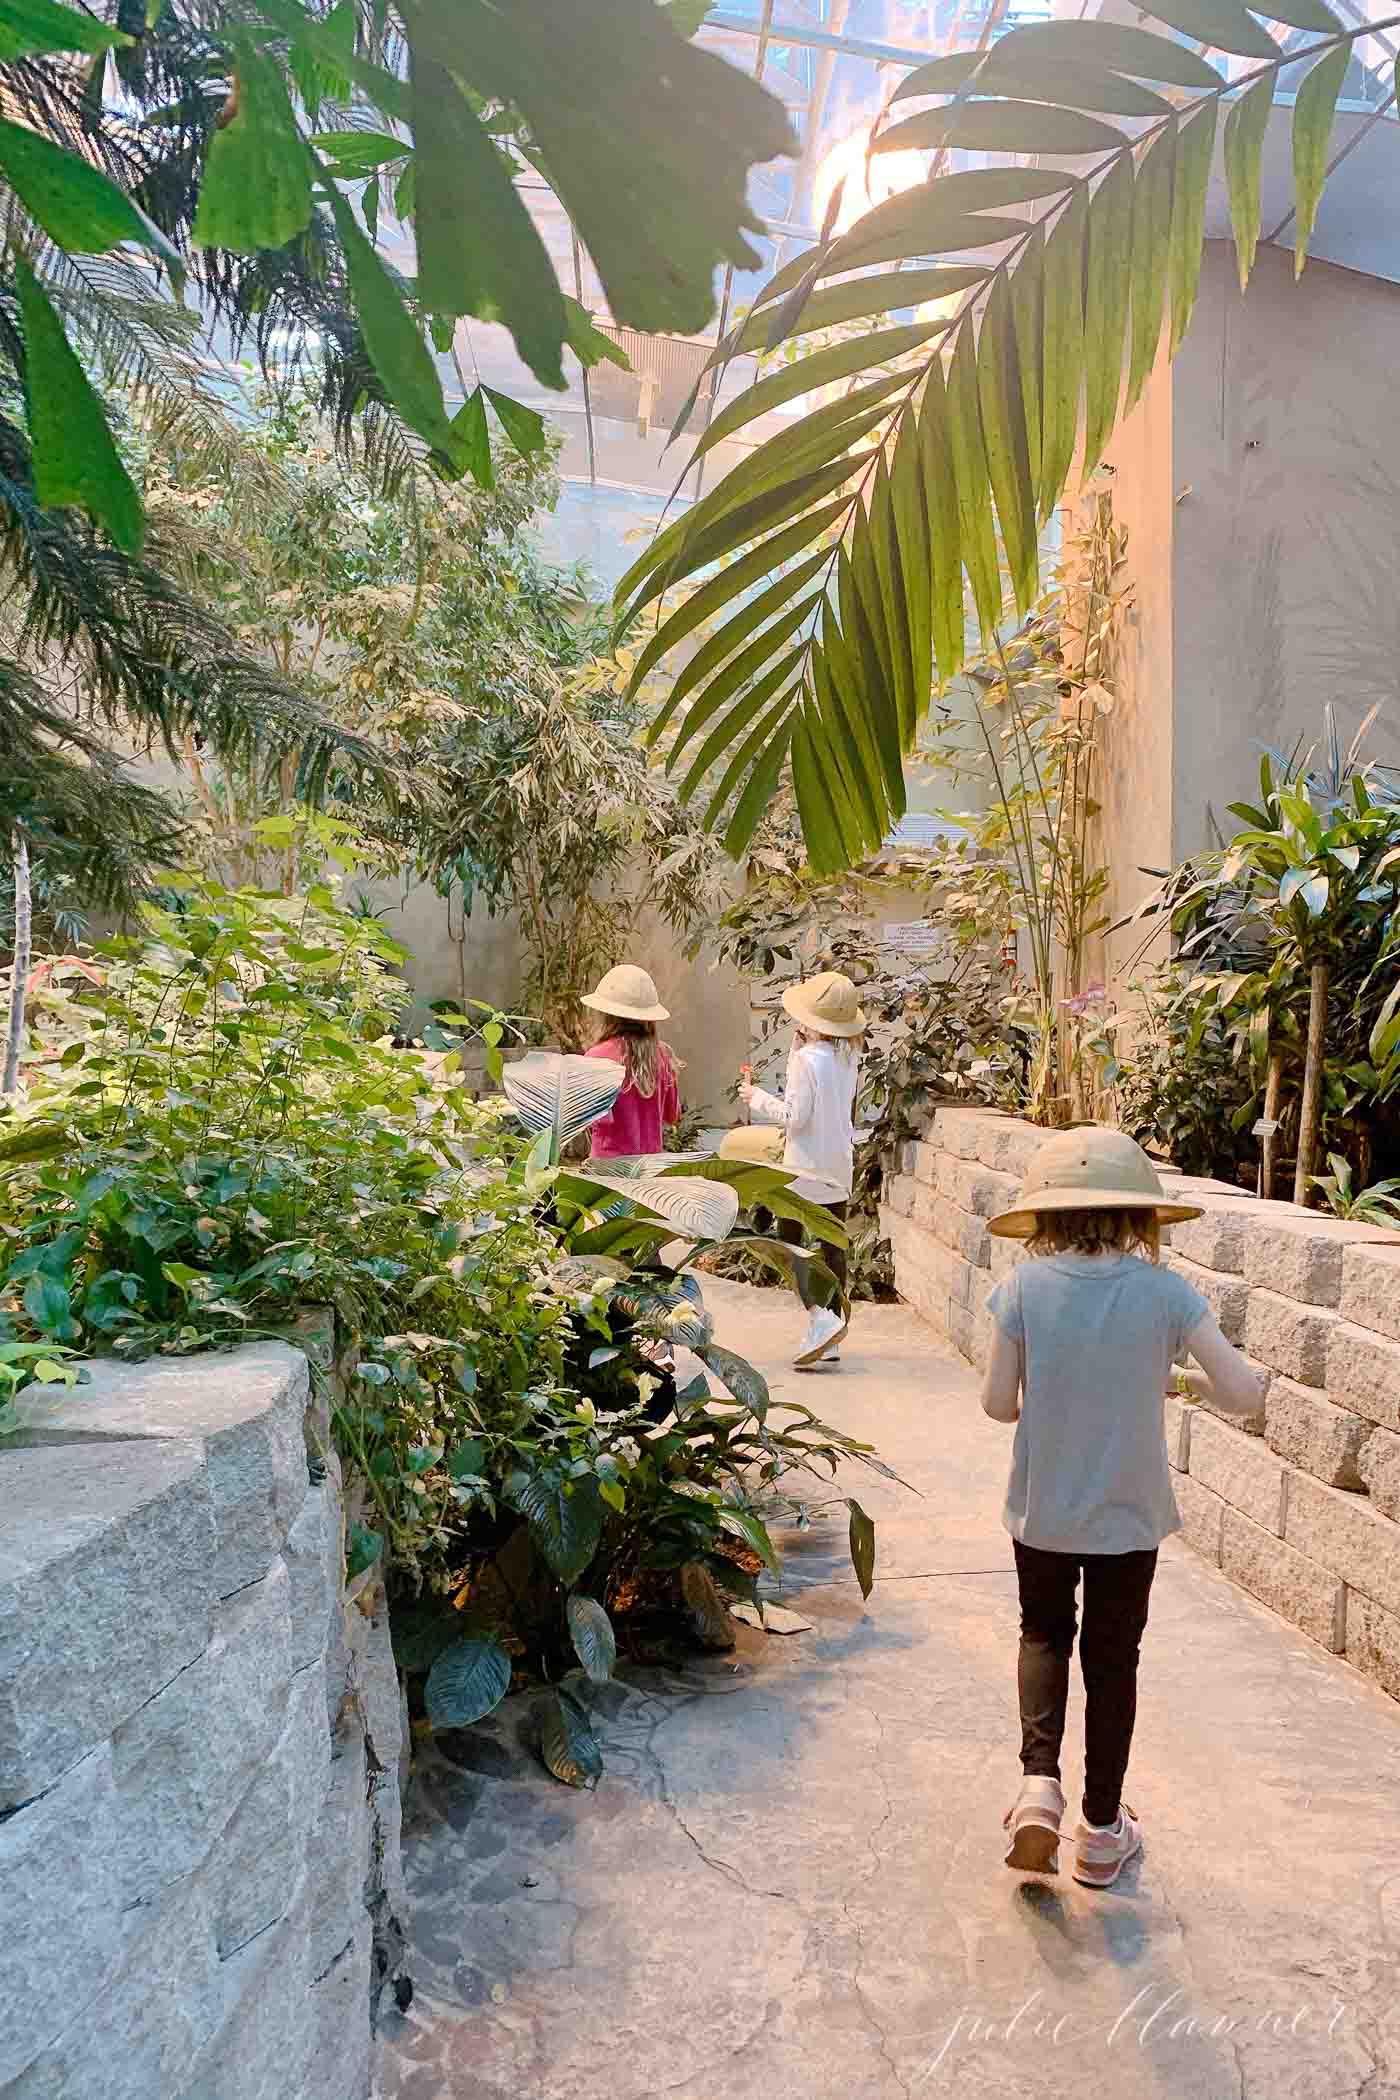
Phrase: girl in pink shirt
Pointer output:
(650, 1098)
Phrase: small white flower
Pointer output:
(628, 1450)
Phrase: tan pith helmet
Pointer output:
(1090, 1169)
(828, 1005)
(761, 1144)
(629, 994)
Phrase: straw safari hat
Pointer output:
(761, 1144)
(827, 1004)
(1090, 1169)
(629, 994)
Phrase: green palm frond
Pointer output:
(833, 565)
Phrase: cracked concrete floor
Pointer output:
(789, 1884)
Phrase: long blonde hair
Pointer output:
(847, 1047)
(1126, 1231)
(643, 1051)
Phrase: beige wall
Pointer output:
(1287, 471)
(1259, 479)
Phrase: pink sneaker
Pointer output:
(1101, 1855)
(1033, 1821)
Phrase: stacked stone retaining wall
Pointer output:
(201, 1737)
(1300, 1504)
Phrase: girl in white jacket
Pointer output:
(816, 1110)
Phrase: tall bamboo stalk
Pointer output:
(19, 973)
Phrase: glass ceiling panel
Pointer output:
(833, 64)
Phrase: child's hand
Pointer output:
(747, 1090)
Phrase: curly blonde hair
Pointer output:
(1126, 1231)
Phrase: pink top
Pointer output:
(635, 1123)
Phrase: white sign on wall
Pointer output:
(914, 937)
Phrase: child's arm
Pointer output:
(794, 1106)
(1225, 1378)
(1001, 1385)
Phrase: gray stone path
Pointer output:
(789, 1884)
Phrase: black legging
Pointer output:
(790, 1231)
(1116, 1591)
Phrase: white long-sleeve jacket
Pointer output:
(816, 1110)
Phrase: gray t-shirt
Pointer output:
(1099, 1335)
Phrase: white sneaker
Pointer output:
(823, 1330)
(1033, 1826)
(1100, 1855)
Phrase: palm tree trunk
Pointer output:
(19, 973)
(1309, 1117)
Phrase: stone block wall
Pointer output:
(1299, 1504)
(201, 1737)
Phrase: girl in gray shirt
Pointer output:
(1085, 1335)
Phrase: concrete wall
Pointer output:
(200, 1745)
(1299, 1505)
(1259, 479)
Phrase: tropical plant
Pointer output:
(218, 1133)
(1183, 1081)
(1377, 1205)
(834, 555)
(1308, 890)
(271, 133)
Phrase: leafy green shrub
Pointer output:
(224, 1134)
(1184, 1089)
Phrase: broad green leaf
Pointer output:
(565, 1518)
(478, 248)
(761, 787)
(880, 531)
(911, 530)
(1004, 434)
(733, 677)
(1312, 128)
(467, 1682)
(1151, 258)
(1195, 147)
(708, 538)
(80, 209)
(945, 544)
(317, 78)
(29, 28)
(754, 1533)
(256, 188)
(591, 1631)
(1245, 127)
(1009, 127)
(708, 1613)
(1106, 282)
(74, 454)
(862, 1536)
(588, 343)
(392, 336)
(739, 719)
(764, 729)
(606, 91)
(1062, 365)
(822, 435)
(1072, 83)
(359, 152)
(471, 440)
(822, 368)
(760, 561)
(823, 834)
(1028, 324)
(568, 1746)
(855, 297)
(685, 16)
(1224, 24)
(862, 627)
(324, 41)
(976, 532)
(852, 750)
(1112, 44)
(881, 761)
(525, 427)
(722, 645)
